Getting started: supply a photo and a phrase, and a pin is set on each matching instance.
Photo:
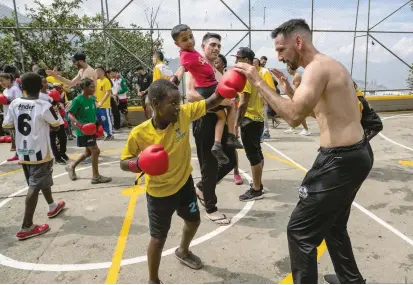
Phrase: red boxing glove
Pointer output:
(99, 132)
(3, 100)
(88, 129)
(231, 83)
(133, 166)
(154, 160)
(2, 139)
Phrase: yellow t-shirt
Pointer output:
(161, 71)
(255, 109)
(175, 140)
(266, 76)
(102, 86)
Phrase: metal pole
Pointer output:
(395, 55)
(107, 19)
(19, 36)
(367, 47)
(110, 22)
(312, 15)
(249, 19)
(235, 14)
(390, 15)
(179, 11)
(104, 34)
(354, 39)
(237, 44)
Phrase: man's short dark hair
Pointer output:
(31, 82)
(208, 36)
(115, 70)
(139, 68)
(289, 27)
(159, 89)
(159, 54)
(264, 57)
(178, 29)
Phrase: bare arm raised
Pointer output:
(305, 98)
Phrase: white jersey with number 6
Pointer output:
(31, 120)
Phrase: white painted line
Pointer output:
(390, 140)
(358, 206)
(396, 143)
(1, 163)
(6, 261)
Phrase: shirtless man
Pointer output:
(85, 71)
(296, 83)
(345, 156)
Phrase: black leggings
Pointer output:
(61, 136)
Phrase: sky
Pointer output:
(383, 68)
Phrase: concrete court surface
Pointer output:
(101, 226)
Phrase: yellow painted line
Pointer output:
(135, 108)
(133, 192)
(320, 251)
(406, 162)
(11, 172)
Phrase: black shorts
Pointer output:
(251, 132)
(86, 141)
(39, 176)
(123, 106)
(206, 92)
(161, 209)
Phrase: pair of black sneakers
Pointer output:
(63, 159)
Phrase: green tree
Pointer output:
(53, 45)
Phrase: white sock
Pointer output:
(52, 207)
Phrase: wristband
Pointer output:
(133, 166)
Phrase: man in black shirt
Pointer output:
(144, 81)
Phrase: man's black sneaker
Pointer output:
(251, 195)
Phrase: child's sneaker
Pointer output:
(57, 211)
(35, 231)
(219, 153)
(14, 158)
(232, 141)
(101, 179)
(238, 179)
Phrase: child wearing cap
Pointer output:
(205, 85)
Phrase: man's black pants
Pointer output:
(116, 113)
(203, 131)
(326, 195)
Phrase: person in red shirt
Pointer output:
(205, 84)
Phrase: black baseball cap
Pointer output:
(245, 52)
(79, 56)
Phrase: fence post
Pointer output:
(104, 35)
(19, 36)
(367, 47)
(354, 39)
(249, 23)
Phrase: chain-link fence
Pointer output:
(373, 39)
